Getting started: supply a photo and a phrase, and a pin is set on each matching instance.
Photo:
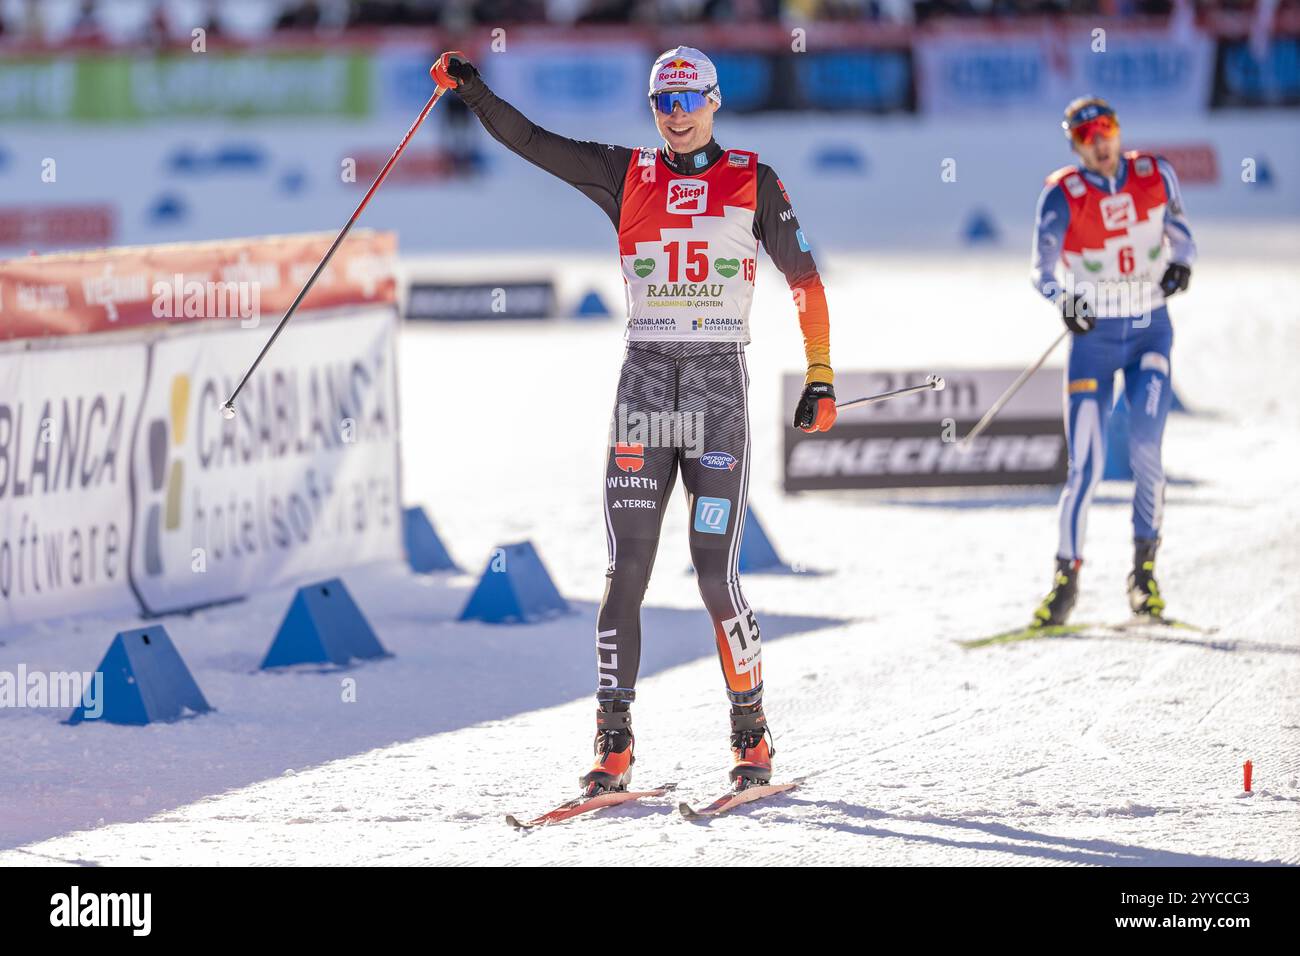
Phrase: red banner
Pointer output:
(1196, 164)
(248, 281)
(56, 225)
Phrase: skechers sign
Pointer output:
(911, 442)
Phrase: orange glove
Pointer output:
(816, 411)
(451, 69)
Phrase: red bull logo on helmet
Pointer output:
(677, 72)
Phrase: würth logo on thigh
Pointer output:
(77, 909)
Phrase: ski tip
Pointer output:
(516, 822)
(686, 810)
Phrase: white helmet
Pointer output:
(685, 68)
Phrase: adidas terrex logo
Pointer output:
(688, 197)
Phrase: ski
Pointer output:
(736, 798)
(579, 805)
(1140, 621)
(1136, 625)
(1029, 632)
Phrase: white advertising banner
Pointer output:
(304, 480)
(66, 424)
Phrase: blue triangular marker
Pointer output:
(838, 158)
(980, 228)
(756, 550)
(293, 181)
(143, 680)
(185, 160)
(167, 208)
(424, 549)
(239, 156)
(515, 588)
(592, 306)
(323, 626)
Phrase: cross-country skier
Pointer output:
(690, 216)
(1114, 224)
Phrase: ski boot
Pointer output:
(1058, 604)
(1143, 594)
(613, 748)
(751, 750)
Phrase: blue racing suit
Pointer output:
(1112, 240)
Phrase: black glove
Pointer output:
(453, 69)
(1078, 315)
(1175, 278)
(816, 410)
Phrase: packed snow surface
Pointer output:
(1097, 750)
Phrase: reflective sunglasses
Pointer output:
(1104, 127)
(688, 100)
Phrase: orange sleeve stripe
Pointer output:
(815, 323)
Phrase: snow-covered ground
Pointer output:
(917, 751)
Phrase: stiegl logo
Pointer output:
(74, 909)
(688, 197)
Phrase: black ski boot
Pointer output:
(613, 748)
(1143, 593)
(751, 752)
(1058, 604)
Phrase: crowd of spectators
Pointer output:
(108, 20)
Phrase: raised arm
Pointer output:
(596, 170)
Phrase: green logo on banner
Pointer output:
(113, 87)
(726, 267)
(643, 267)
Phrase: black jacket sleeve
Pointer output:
(777, 228)
(596, 170)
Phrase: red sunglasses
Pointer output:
(1103, 127)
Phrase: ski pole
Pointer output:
(932, 383)
(228, 409)
(983, 423)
